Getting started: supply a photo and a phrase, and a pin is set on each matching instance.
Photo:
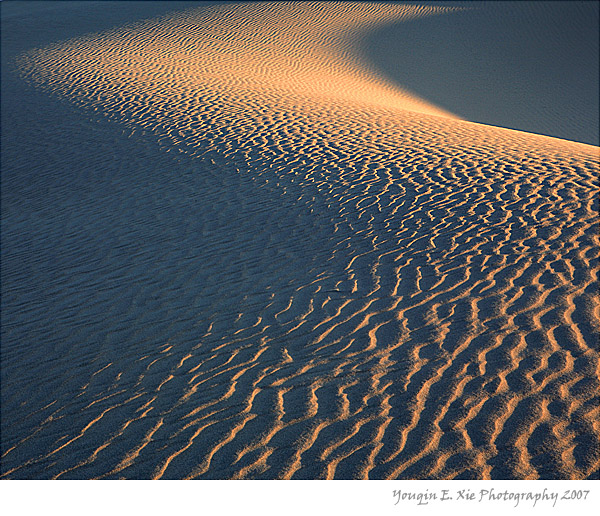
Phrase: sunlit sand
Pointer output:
(233, 248)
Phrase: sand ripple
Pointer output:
(313, 274)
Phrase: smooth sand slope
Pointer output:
(232, 249)
(527, 65)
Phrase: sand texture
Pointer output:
(232, 248)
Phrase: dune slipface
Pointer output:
(271, 262)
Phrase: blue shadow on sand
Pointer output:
(531, 66)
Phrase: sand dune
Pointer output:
(529, 65)
(231, 248)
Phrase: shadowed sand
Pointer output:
(231, 248)
(526, 65)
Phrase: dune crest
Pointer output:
(345, 281)
(248, 51)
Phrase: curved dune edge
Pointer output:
(247, 51)
(529, 66)
(447, 327)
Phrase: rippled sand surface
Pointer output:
(232, 249)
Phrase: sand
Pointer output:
(234, 248)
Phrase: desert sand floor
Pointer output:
(231, 248)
